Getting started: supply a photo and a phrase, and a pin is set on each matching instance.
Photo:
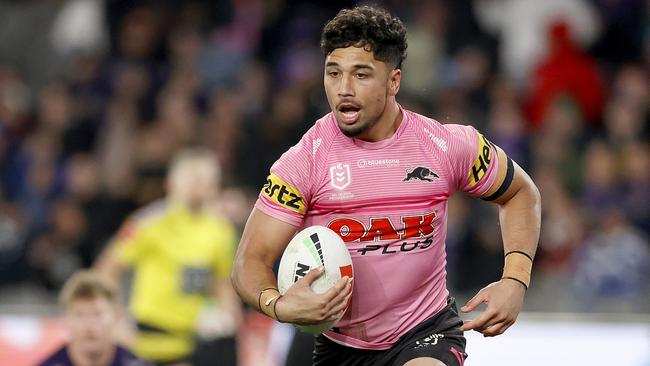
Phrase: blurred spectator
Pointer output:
(14, 104)
(521, 26)
(79, 27)
(139, 34)
(91, 311)
(613, 266)
(623, 30)
(103, 214)
(25, 41)
(181, 252)
(560, 142)
(13, 267)
(567, 72)
(601, 191)
(506, 124)
(426, 48)
(55, 251)
(563, 231)
(224, 128)
(635, 160)
(628, 113)
(35, 180)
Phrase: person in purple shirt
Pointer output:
(91, 314)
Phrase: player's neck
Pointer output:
(80, 358)
(387, 124)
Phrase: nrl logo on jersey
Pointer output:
(340, 176)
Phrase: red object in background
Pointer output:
(567, 72)
(27, 340)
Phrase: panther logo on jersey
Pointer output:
(420, 173)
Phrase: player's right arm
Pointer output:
(280, 209)
(262, 243)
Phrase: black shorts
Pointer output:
(438, 337)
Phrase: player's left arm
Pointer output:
(520, 216)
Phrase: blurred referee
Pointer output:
(181, 252)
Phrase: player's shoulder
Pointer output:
(429, 126)
(437, 133)
(323, 133)
(315, 143)
(429, 131)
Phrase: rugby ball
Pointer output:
(311, 248)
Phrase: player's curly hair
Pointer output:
(372, 28)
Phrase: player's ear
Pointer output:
(394, 79)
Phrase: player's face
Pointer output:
(90, 323)
(358, 87)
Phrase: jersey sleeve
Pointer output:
(473, 160)
(287, 191)
(226, 251)
(130, 243)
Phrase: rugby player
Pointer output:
(380, 176)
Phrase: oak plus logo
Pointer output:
(340, 176)
(408, 234)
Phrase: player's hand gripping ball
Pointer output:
(313, 247)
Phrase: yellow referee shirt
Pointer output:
(175, 255)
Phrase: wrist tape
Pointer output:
(518, 266)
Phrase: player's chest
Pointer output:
(381, 176)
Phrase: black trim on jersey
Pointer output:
(510, 173)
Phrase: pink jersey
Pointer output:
(388, 201)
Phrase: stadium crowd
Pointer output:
(97, 96)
